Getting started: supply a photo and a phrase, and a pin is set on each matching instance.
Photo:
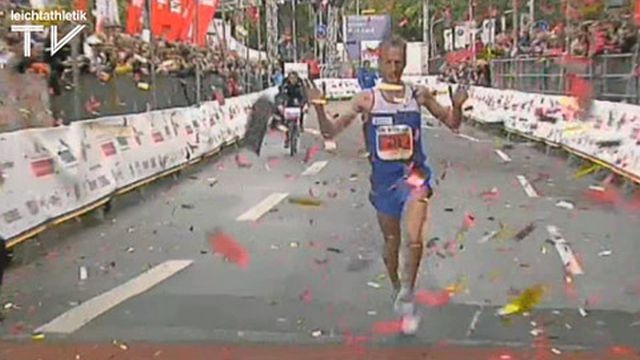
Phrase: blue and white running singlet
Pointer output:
(395, 147)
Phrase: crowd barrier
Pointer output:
(48, 175)
(608, 134)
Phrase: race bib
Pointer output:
(394, 142)
(292, 113)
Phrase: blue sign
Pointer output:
(321, 32)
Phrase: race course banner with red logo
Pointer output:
(46, 173)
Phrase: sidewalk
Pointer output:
(121, 351)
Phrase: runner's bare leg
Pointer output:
(391, 231)
(416, 212)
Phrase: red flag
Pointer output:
(638, 12)
(80, 5)
(403, 22)
(134, 23)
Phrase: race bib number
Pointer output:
(292, 113)
(394, 142)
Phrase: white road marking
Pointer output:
(531, 192)
(263, 207)
(470, 138)
(474, 322)
(569, 260)
(315, 132)
(315, 168)
(503, 155)
(79, 316)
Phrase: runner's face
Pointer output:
(392, 63)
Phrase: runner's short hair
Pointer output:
(394, 41)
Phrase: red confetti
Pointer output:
(387, 327)
(431, 298)
(306, 296)
(469, 220)
(608, 196)
(490, 195)
(451, 247)
(242, 161)
(311, 152)
(272, 161)
(227, 246)
(617, 350)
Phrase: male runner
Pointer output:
(400, 177)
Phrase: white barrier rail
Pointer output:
(48, 175)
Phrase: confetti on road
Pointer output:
(563, 204)
(433, 298)
(523, 303)
(303, 201)
(311, 152)
(242, 161)
(387, 327)
(469, 221)
(227, 246)
(524, 232)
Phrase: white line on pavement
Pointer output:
(474, 321)
(79, 316)
(569, 260)
(315, 168)
(503, 155)
(470, 138)
(531, 192)
(263, 207)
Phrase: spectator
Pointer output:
(366, 76)
(276, 77)
(314, 68)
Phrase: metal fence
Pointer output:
(613, 77)
(122, 95)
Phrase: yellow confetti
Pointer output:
(497, 143)
(523, 303)
(458, 286)
(586, 170)
(37, 337)
(305, 201)
(143, 86)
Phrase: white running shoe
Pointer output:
(403, 303)
(410, 323)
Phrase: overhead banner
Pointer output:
(364, 28)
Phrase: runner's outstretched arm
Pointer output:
(330, 129)
(451, 116)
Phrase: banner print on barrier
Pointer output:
(46, 173)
